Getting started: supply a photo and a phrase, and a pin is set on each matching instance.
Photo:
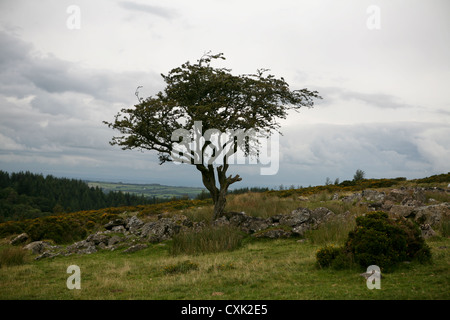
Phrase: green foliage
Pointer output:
(384, 242)
(359, 175)
(25, 195)
(378, 240)
(445, 177)
(326, 255)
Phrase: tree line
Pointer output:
(25, 195)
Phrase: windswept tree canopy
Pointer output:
(216, 98)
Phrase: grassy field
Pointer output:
(255, 269)
(148, 190)
(260, 270)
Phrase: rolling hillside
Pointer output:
(148, 190)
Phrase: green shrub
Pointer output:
(377, 240)
(326, 255)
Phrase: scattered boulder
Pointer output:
(160, 230)
(135, 248)
(47, 254)
(401, 211)
(114, 223)
(38, 247)
(97, 238)
(432, 214)
(134, 224)
(246, 223)
(352, 198)
(427, 231)
(114, 240)
(254, 224)
(296, 217)
(373, 195)
(21, 238)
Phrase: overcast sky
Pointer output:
(382, 68)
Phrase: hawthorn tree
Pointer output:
(221, 101)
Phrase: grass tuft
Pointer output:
(210, 239)
(12, 256)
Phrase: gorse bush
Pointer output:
(378, 240)
(326, 255)
(384, 242)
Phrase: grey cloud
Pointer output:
(13, 49)
(150, 9)
(51, 110)
(382, 150)
(23, 72)
(379, 100)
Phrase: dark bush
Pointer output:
(326, 255)
(378, 240)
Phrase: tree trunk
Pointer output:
(218, 195)
(219, 205)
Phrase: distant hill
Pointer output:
(153, 190)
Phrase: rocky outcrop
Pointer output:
(409, 203)
(39, 247)
(295, 223)
(132, 234)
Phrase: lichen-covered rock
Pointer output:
(21, 238)
(160, 230)
(373, 195)
(296, 217)
(432, 214)
(134, 224)
(115, 223)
